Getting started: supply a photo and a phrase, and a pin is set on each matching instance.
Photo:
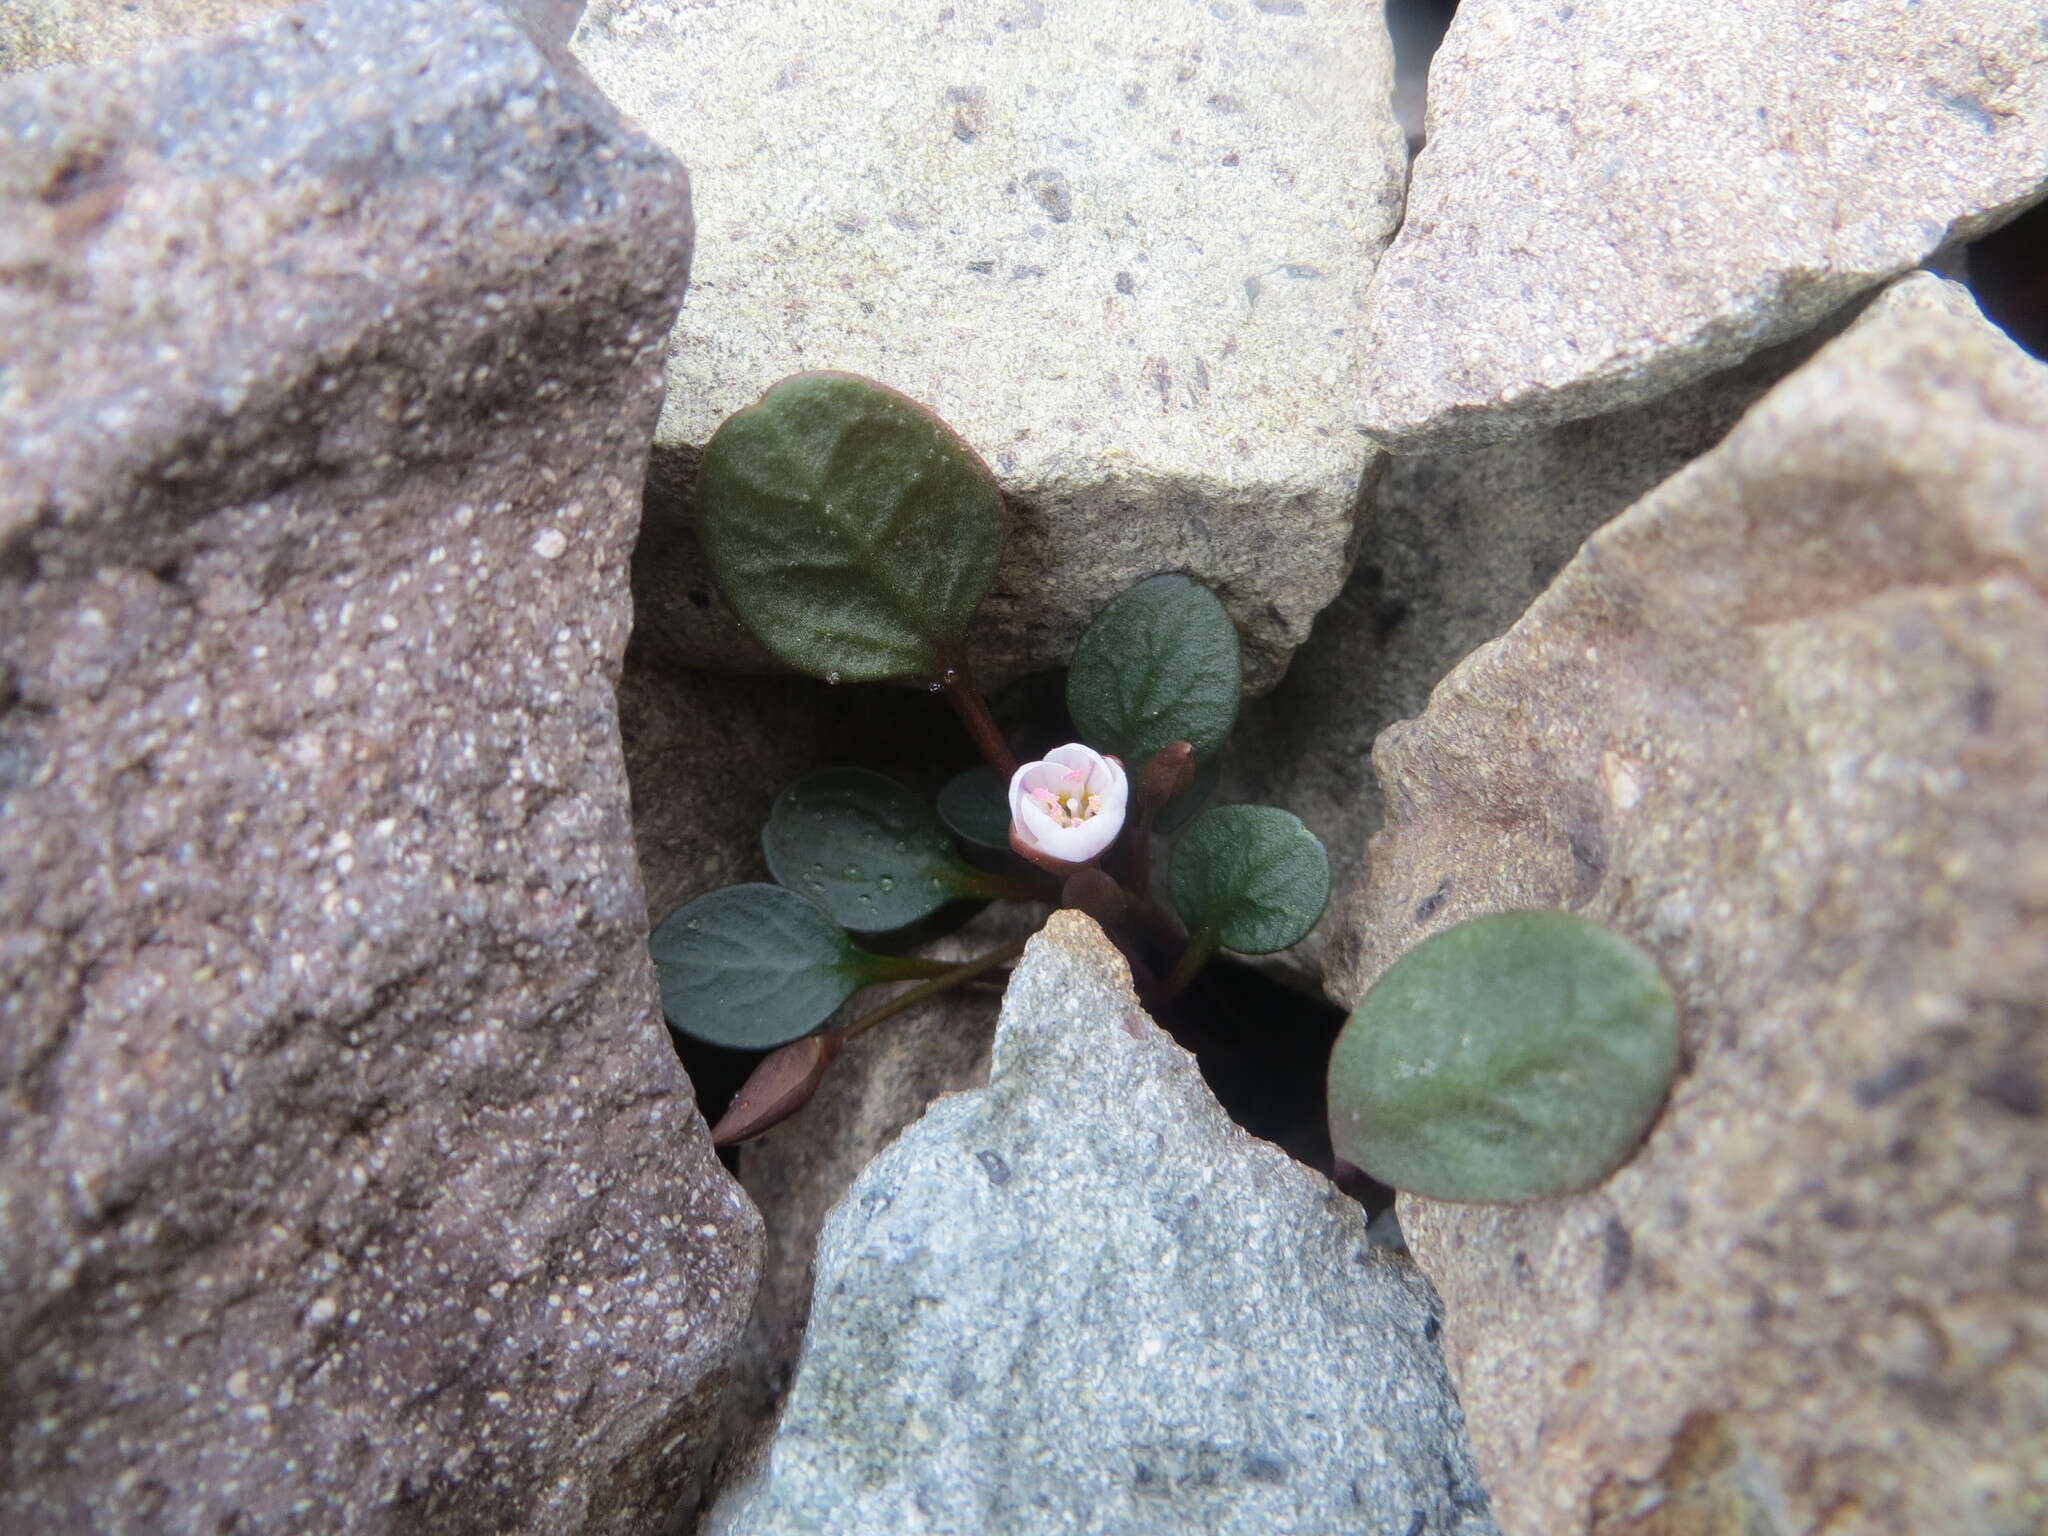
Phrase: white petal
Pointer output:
(1079, 844)
(1038, 828)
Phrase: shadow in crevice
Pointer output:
(2007, 270)
(1416, 27)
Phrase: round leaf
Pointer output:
(1511, 1057)
(864, 848)
(1253, 875)
(854, 532)
(1159, 664)
(976, 805)
(753, 967)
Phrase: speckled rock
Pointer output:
(1456, 546)
(1784, 722)
(1621, 196)
(1121, 247)
(38, 34)
(1081, 1300)
(347, 1182)
(797, 1173)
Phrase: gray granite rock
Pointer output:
(1785, 723)
(1080, 1300)
(347, 1181)
(1121, 247)
(798, 1172)
(1455, 547)
(1620, 196)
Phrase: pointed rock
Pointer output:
(1080, 1299)
(347, 1180)
(1785, 723)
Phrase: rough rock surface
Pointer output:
(797, 1173)
(1122, 248)
(1080, 1300)
(1455, 547)
(1785, 722)
(1620, 196)
(347, 1182)
(38, 34)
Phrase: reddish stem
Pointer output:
(972, 709)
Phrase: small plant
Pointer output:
(1507, 1058)
(855, 534)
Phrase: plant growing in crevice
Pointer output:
(855, 535)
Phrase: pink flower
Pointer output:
(1068, 808)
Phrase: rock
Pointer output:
(1080, 1300)
(797, 1173)
(1455, 547)
(1618, 199)
(39, 34)
(1785, 722)
(347, 1182)
(1121, 248)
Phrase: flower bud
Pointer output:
(1167, 776)
(1066, 809)
(782, 1083)
(1090, 890)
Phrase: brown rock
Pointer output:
(1786, 723)
(1456, 546)
(40, 34)
(347, 1182)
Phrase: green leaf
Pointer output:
(1180, 810)
(1159, 664)
(1253, 875)
(753, 967)
(976, 805)
(1510, 1057)
(865, 849)
(854, 532)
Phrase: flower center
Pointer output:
(1070, 804)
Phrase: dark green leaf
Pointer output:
(854, 532)
(1511, 1057)
(1159, 664)
(976, 805)
(1180, 810)
(1253, 875)
(753, 967)
(864, 848)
